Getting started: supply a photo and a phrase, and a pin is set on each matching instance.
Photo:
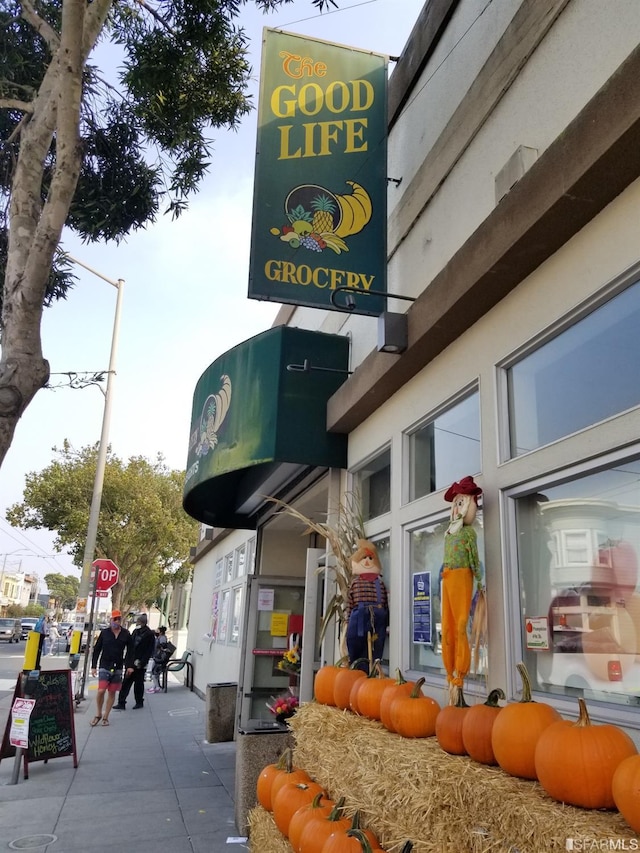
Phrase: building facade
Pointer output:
(513, 222)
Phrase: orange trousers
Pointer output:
(457, 592)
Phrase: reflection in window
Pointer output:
(228, 567)
(241, 566)
(374, 485)
(578, 547)
(236, 615)
(427, 550)
(578, 378)
(445, 449)
(217, 580)
(223, 624)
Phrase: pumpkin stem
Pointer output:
(400, 679)
(494, 697)
(457, 697)
(362, 838)
(526, 682)
(583, 720)
(408, 847)
(284, 762)
(416, 693)
(357, 662)
(316, 800)
(336, 811)
(343, 661)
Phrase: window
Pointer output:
(241, 562)
(217, 580)
(223, 623)
(445, 449)
(228, 567)
(578, 378)
(426, 553)
(236, 615)
(374, 484)
(578, 547)
(251, 555)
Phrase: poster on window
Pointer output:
(215, 604)
(421, 607)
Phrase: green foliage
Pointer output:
(146, 136)
(63, 589)
(142, 527)
(17, 611)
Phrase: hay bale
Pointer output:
(264, 835)
(411, 789)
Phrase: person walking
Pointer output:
(110, 647)
(54, 639)
(141, 648)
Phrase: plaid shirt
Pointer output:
(364, 591)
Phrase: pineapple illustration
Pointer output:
(323, 210)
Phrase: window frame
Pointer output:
(551, 331)
(608, 712)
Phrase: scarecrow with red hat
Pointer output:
(367, 606)
(461, 565)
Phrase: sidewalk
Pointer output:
(146, 782)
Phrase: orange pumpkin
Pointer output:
(343, 683)
(318, 809)
(575, 762)
(625, 787)
(268, 776)
(516, 730)
(353, 696)
(290, 774)
(449, 725)
(477, 727)
(291, 797)
(400, 687)
(370, 694)
(354, 839)
(316, 832)
(414, 715)
(324, 682)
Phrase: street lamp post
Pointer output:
(101, 462)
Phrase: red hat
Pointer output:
(466, 486)
(115, 614)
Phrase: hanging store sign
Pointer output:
(319, 213)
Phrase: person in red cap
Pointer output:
(111, 646)
(367, 606)
(461, 565)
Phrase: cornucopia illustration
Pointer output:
(319, 219)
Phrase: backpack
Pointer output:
(163, 655)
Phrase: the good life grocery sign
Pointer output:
(319, 218)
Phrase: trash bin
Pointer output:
(220, 708)
(255, 748)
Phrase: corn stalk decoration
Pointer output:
(342, 538)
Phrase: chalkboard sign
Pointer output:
(51, 725)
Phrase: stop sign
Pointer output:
(108, 574)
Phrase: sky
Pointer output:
(184, 298)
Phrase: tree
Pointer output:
(74, 148)
(63, 589)
(142, 528)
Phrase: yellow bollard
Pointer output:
(31, 650)
(74, 646)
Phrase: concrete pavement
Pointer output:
(147, 782)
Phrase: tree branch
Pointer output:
(15, 104)
(40, 26)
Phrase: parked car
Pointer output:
(10, 630)
(27, 623)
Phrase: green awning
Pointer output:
(252, 416)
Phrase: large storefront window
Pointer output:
(445, 449)
(580, 377)
(578, 547)
(426, 554)
(374, 484)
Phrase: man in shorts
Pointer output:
(110, 647)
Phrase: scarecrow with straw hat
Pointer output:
(461, 566)
(367, 606)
